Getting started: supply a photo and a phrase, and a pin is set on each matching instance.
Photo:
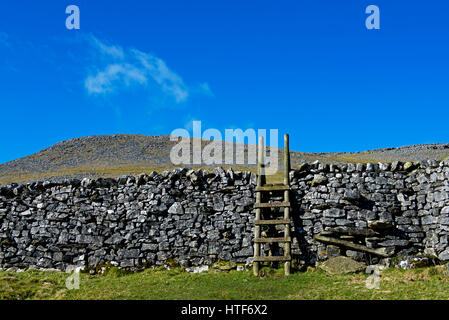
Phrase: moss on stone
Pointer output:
(224, 265)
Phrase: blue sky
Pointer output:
(308, 68)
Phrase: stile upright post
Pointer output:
(287, 244)
(260, 182)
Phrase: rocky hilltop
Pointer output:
(116, 155)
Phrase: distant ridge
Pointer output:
(116, 155)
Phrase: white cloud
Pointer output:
(125, 67)
(169, 81)
(114, 75)
(106, 49)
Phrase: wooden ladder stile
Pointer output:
(261, 189)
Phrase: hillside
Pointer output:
(115, 155)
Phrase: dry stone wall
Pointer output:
(192, 217)
(199, 217)
(400, 209)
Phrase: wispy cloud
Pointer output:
(125, 67)
(105, 48)
(156, 68)
(114, 75)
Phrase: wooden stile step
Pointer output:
(272, 188)
(270, 240)
(272, 205)
(272, 258)
(266, 222)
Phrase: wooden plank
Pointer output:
(351, 231)
(266, 222)
(383, 252)
(272, 258)
(270, 240)
(272, 188)
(272, 205)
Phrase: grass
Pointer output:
(117, 171)
(106, 171)
(426, 283)
(102, 171)
(354, 159)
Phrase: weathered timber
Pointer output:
(273, 205)
(260, 182)
(272, 258)
(272, 222)
(350, 231)
(267, 188)
(270, 240)
(379, 225)
(382, 252)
